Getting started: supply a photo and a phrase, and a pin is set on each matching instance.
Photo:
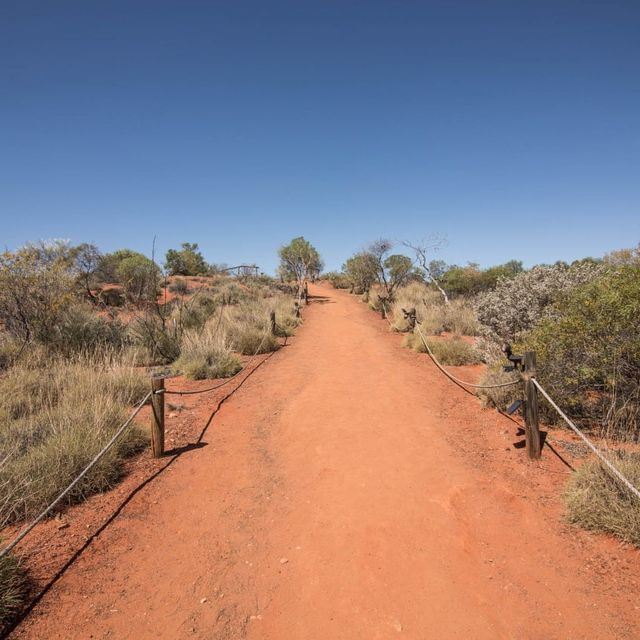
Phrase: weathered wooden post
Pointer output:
(157, 417)
(306, 293)
(531, 428)
(272, 318)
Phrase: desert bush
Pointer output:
(206, 354)
(517, 304)
(588, 351)
(179, 286)
(54, 421)
(597, 501)
(12, 587)
(338, 280)
(187, 261)
(81, 329)
(111, 296)
(448, 351)
(34, 293)
(139, 277)
(157, 339)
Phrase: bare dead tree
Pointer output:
(422, 251)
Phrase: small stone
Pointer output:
(284, 560)
(203, 600)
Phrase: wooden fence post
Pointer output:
(157, 417)
(272, 317)
(532, 431)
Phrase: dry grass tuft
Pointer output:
(501, 397)
(597, 501)
(53, 422)
(12, 587)
(453, 351)
(206, 354)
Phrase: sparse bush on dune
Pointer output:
(179, 286)
(597, 501)
(80, 329)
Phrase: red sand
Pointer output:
(346, 490)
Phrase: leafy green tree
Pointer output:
(361, 271)
(299, 261)
(139, 277)
(188, 261)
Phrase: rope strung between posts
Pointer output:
(97, 458)
(616, 472)
(458, 380)
(221, 384)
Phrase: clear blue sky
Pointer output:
(512, 128)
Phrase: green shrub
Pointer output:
(12, 587)
(588, 352)
(597, 501)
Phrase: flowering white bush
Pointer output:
(518, 304)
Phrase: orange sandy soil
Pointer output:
(347, 489)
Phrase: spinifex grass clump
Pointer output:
(453, 351)
(598, 501)
(54, 418)
(12, 587)
(207, 354)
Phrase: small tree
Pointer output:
(392, 271)
(361, 271)
(188, 261)
(35, 290)
(299, 260)
(139, 277)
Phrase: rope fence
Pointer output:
(614, 470)
(533, 440)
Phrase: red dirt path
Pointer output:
(346, 490)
